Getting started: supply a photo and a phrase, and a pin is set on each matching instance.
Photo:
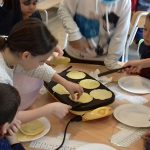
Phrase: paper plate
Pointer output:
(95, 146)
(135, 84)
(26, 138)
(133, 115)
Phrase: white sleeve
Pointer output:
(118, 41)
(66, 12)
(43, 72)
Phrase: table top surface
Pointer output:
(47, 4)
(96, 131)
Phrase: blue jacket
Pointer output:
(4, 145)
(143, 5)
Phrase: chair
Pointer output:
(44, 5)
(137, 21)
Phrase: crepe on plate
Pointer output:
(32, 128)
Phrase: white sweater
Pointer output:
(84, 10)
(27, 86)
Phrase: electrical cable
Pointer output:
(74, 119)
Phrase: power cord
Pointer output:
(74, 119)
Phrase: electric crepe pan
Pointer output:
(77, 106)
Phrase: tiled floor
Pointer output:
(55, 26)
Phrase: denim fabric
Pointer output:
(4, 145)
(143, 5)
(89, 28)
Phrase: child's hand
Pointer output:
(14, 127)
(59, 109)
(73, 88)
(134, 67)
(81, 45)
(58, 52)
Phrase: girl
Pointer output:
(13, 11)
(97, 29)
(25, 51)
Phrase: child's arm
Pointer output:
(58, 109)
(66, 12)
(47, 74)
(136, 66)
(118, 41)
(71, 87)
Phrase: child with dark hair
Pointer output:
(10, 101)
(27, 48)
(13, 11)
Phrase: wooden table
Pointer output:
(97, 131)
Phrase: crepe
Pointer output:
(76, 75)
(59, 89)
(59, 61)
(101, 94)
(84, 98)
(32, 128)
(23, 137)
(89, 84)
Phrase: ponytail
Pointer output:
(3, 42)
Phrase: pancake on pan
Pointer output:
(59, 89)
(76, 75)
(84, 98)
(101, 94)
(89, 84)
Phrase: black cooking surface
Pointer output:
(95, 103)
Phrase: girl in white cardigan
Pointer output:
(27, 48)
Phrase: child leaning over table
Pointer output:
(27, 48)
(97, 29)
(9, 103)
(11, 12)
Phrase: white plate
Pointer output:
(95, 146)
(135, 84)
(133, 115)
(47, 127)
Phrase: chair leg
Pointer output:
(66, 40)
(46, 17)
